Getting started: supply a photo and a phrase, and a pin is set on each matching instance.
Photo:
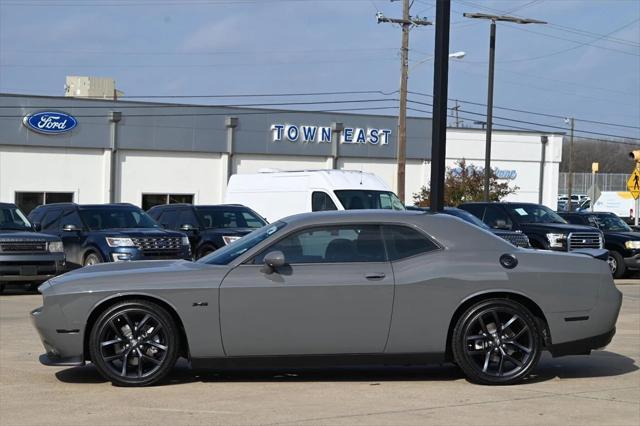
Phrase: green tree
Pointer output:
(465, 183)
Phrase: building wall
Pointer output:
(85, 172)
(155, 172)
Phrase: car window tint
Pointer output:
(50, 220)
(70, 217)
(475, 209)
(187, 217)
(252, 221)
(331, 244)
(495, 217)
(321, 201)
(405, 242)
(168, 218)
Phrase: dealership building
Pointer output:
(55, 149)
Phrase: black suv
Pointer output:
(108, 233)
(26, 256)
(208, 227)
(545, 229)
(621, 241)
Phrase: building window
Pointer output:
(27, 201)
(150, 200)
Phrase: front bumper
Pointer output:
(62, 343)
(582, 346)
(632, 262)
(31, 267)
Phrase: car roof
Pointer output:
(348, 216)
(7, 205)
(173, 205)
(82, 206)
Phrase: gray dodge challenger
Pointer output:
(330, 289)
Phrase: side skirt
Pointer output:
(316, 361)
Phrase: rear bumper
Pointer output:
(582, 346)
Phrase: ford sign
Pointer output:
(50, 122)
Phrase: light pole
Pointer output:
(454, 55)
(492, 54)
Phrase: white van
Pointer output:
(277, 194)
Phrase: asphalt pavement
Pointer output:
(600, 389)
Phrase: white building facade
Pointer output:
(145, 154)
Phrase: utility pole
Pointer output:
(407, 22)
(570, 191)
(492, 58)
(455, 109)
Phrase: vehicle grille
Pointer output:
(518, 240)
(158, 246)
(23, 246)
(580, 240)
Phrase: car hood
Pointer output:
(132, 276)
(15, 235)
(625, 236)
(561, 228)
(139, 233)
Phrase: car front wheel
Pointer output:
(496, 342)
(134, 343)
(616, 264)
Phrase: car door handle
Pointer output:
(375, 275)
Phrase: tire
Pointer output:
(616, 264)
(134, 343)
(91, 259)
(496, 358)
(205, 251)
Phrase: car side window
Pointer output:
(475, 209)
(331, 244)
(403, 242)
(321, 201)
(168, 218)
(50, 220)
(187, 217)
(70, 217)
(497, 218)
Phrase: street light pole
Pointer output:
(492, 53)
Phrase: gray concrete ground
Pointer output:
(603, 388)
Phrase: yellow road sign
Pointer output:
(633, 184)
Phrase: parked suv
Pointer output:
(26, 256)
(545, 229)
(108, 233)
(621, 241)
(208, 227)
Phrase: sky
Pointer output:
(585, 63)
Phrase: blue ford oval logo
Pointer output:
(50, 122)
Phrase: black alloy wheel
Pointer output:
(134, 343)
(496, 342)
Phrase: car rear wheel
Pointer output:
(134, 343)
(616, 264)
(496, 342)
(92, 259)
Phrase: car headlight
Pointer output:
(185, 241)
(55, 247)
(632, 245)
(556, 240)
(228, 239)
(120, 242)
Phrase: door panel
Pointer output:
(307, 309)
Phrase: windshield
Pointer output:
(121, 218)
(362, 199)
(534, 213)
(212, 217)
(12, 218)
(230, 252)
(467, 217)
(609, 222)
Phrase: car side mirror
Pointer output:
(70, 228)
(188, 228)
(272, 261)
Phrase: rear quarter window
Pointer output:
(403, 242)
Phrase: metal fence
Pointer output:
(582, 182)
